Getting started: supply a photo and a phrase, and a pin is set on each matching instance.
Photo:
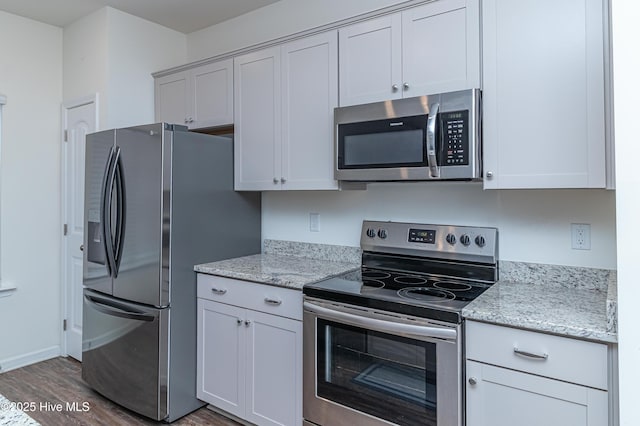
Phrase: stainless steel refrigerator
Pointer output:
(158, 200)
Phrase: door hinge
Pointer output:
(65, 229)
(64, 325)
(66, 135)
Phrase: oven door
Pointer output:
(364, 367)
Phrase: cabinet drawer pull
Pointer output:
(219, 291)
(531, 355)
(270, 301)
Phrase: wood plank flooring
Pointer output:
(58, 381)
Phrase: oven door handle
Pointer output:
(382, 325)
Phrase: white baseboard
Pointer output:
(30, 358)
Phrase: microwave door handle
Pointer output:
(432, 160)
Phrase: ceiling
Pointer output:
(185, 16)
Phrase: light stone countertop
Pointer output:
(572, 302)
(278, 270)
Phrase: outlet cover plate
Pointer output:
(581, 236)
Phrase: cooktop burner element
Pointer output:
(426, 294)
(431, 271)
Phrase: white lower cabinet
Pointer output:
(518, 377)
(250, 362)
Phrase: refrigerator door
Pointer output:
(124, 353)
(141, 215)
(98, 165)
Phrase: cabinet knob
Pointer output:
(282, 180)
(81, 247)
(473, 381)
(406, 86)
(489, 175)
(239, 321)
(247, 323)
(394, 88)
(275, 180)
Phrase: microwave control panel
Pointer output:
(455, 133)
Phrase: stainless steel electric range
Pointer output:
(383, 345)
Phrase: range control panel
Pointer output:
(468, 243)
(455, 135)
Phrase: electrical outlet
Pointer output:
(581, 236)
(314, 222)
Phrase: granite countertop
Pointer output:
(573, 302)
(569, 301)
(278, 265)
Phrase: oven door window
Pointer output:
(386, 376)
(383, 143)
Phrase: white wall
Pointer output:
(276, 20)
(31, 78)
(85, 59)
(136, 48)
(626, 33)
(113, 54)
(534, 226)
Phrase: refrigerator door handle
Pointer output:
(105, 210)
(108, 213)
(117, 310)
(121, 212)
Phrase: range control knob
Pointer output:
(451, 239)
(371, 232)
(480, 241)
(382, 233)
(465, 240)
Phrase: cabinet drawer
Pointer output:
(567, 359)
(258, 297)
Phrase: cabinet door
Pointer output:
(221, 356)
(257, 117)
(309, 95)
(543, 94)
(274, 370)
(502, 397)
(171, 99)
(370, 61)
(441, 47)
(212, 94)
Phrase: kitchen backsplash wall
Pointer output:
(534, 225)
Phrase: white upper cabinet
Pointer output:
(432, 48)
(284, 100)
(199, 97)
(257, 124)
(543, 94)
(171, 98)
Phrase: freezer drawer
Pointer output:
(125, 353)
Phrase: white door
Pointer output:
(79, 118)
(440, 47)
(257, 114)
(274, 367)
(309, 95)
(212, 92)
(171, 103)
(371, 61)
(502, 397)
(221, 356)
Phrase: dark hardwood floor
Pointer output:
(58, 381)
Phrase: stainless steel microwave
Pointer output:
(431, 137)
